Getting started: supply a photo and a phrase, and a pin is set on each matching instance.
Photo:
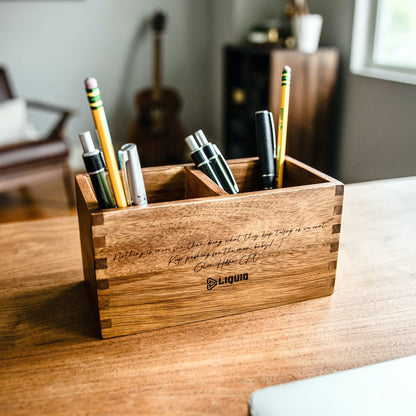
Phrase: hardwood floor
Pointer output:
(43, 200)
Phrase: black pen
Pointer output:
(226, 167)
(200, 159)
(266, 146)
(213, 155)
(95, 168)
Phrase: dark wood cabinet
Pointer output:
(252, 82)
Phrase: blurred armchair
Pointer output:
(24, 161)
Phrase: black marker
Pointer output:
(95, 168)
(200, 159)
(266, 146)
(217, 162)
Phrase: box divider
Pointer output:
(198, 185)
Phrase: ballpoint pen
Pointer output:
(201, 160)
(132, 175)
(266, 146)
(218, 163)
(226, 167)
(95, 168)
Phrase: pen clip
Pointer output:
(271, 120)
(226, 167)
(123, 158)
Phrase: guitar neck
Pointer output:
(157, 65)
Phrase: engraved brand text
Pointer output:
(211, 283)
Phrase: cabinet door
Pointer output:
(311, 109)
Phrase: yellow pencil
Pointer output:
(100, 120)
(282, 129)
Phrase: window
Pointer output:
(384, 40)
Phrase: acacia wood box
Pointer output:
(198, 253)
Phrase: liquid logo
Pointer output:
(211, 283)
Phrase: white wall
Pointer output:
(377, 124)
(50, 47)
(230, 22)
(375, 134)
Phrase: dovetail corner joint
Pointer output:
(103, 284)
(334, 247)
(331, 282)
(101, 263)
(99, 242)
(332, 265)
(336, 228)
(106, 323)
(103, 303)
(97, 219)
(339, 190)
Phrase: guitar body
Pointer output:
(157, 130)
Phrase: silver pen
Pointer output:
(132, 175)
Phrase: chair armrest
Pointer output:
(56, 132)
(25, 155)
(47, 107)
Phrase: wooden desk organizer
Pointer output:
(197, 253)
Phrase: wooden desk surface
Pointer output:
(51, 361)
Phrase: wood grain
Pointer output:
(52, 361)
(213, 254)
(198, 185)
(314, 78)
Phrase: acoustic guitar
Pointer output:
(157, 130)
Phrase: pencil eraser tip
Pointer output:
(286, 68)
(91, 83)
